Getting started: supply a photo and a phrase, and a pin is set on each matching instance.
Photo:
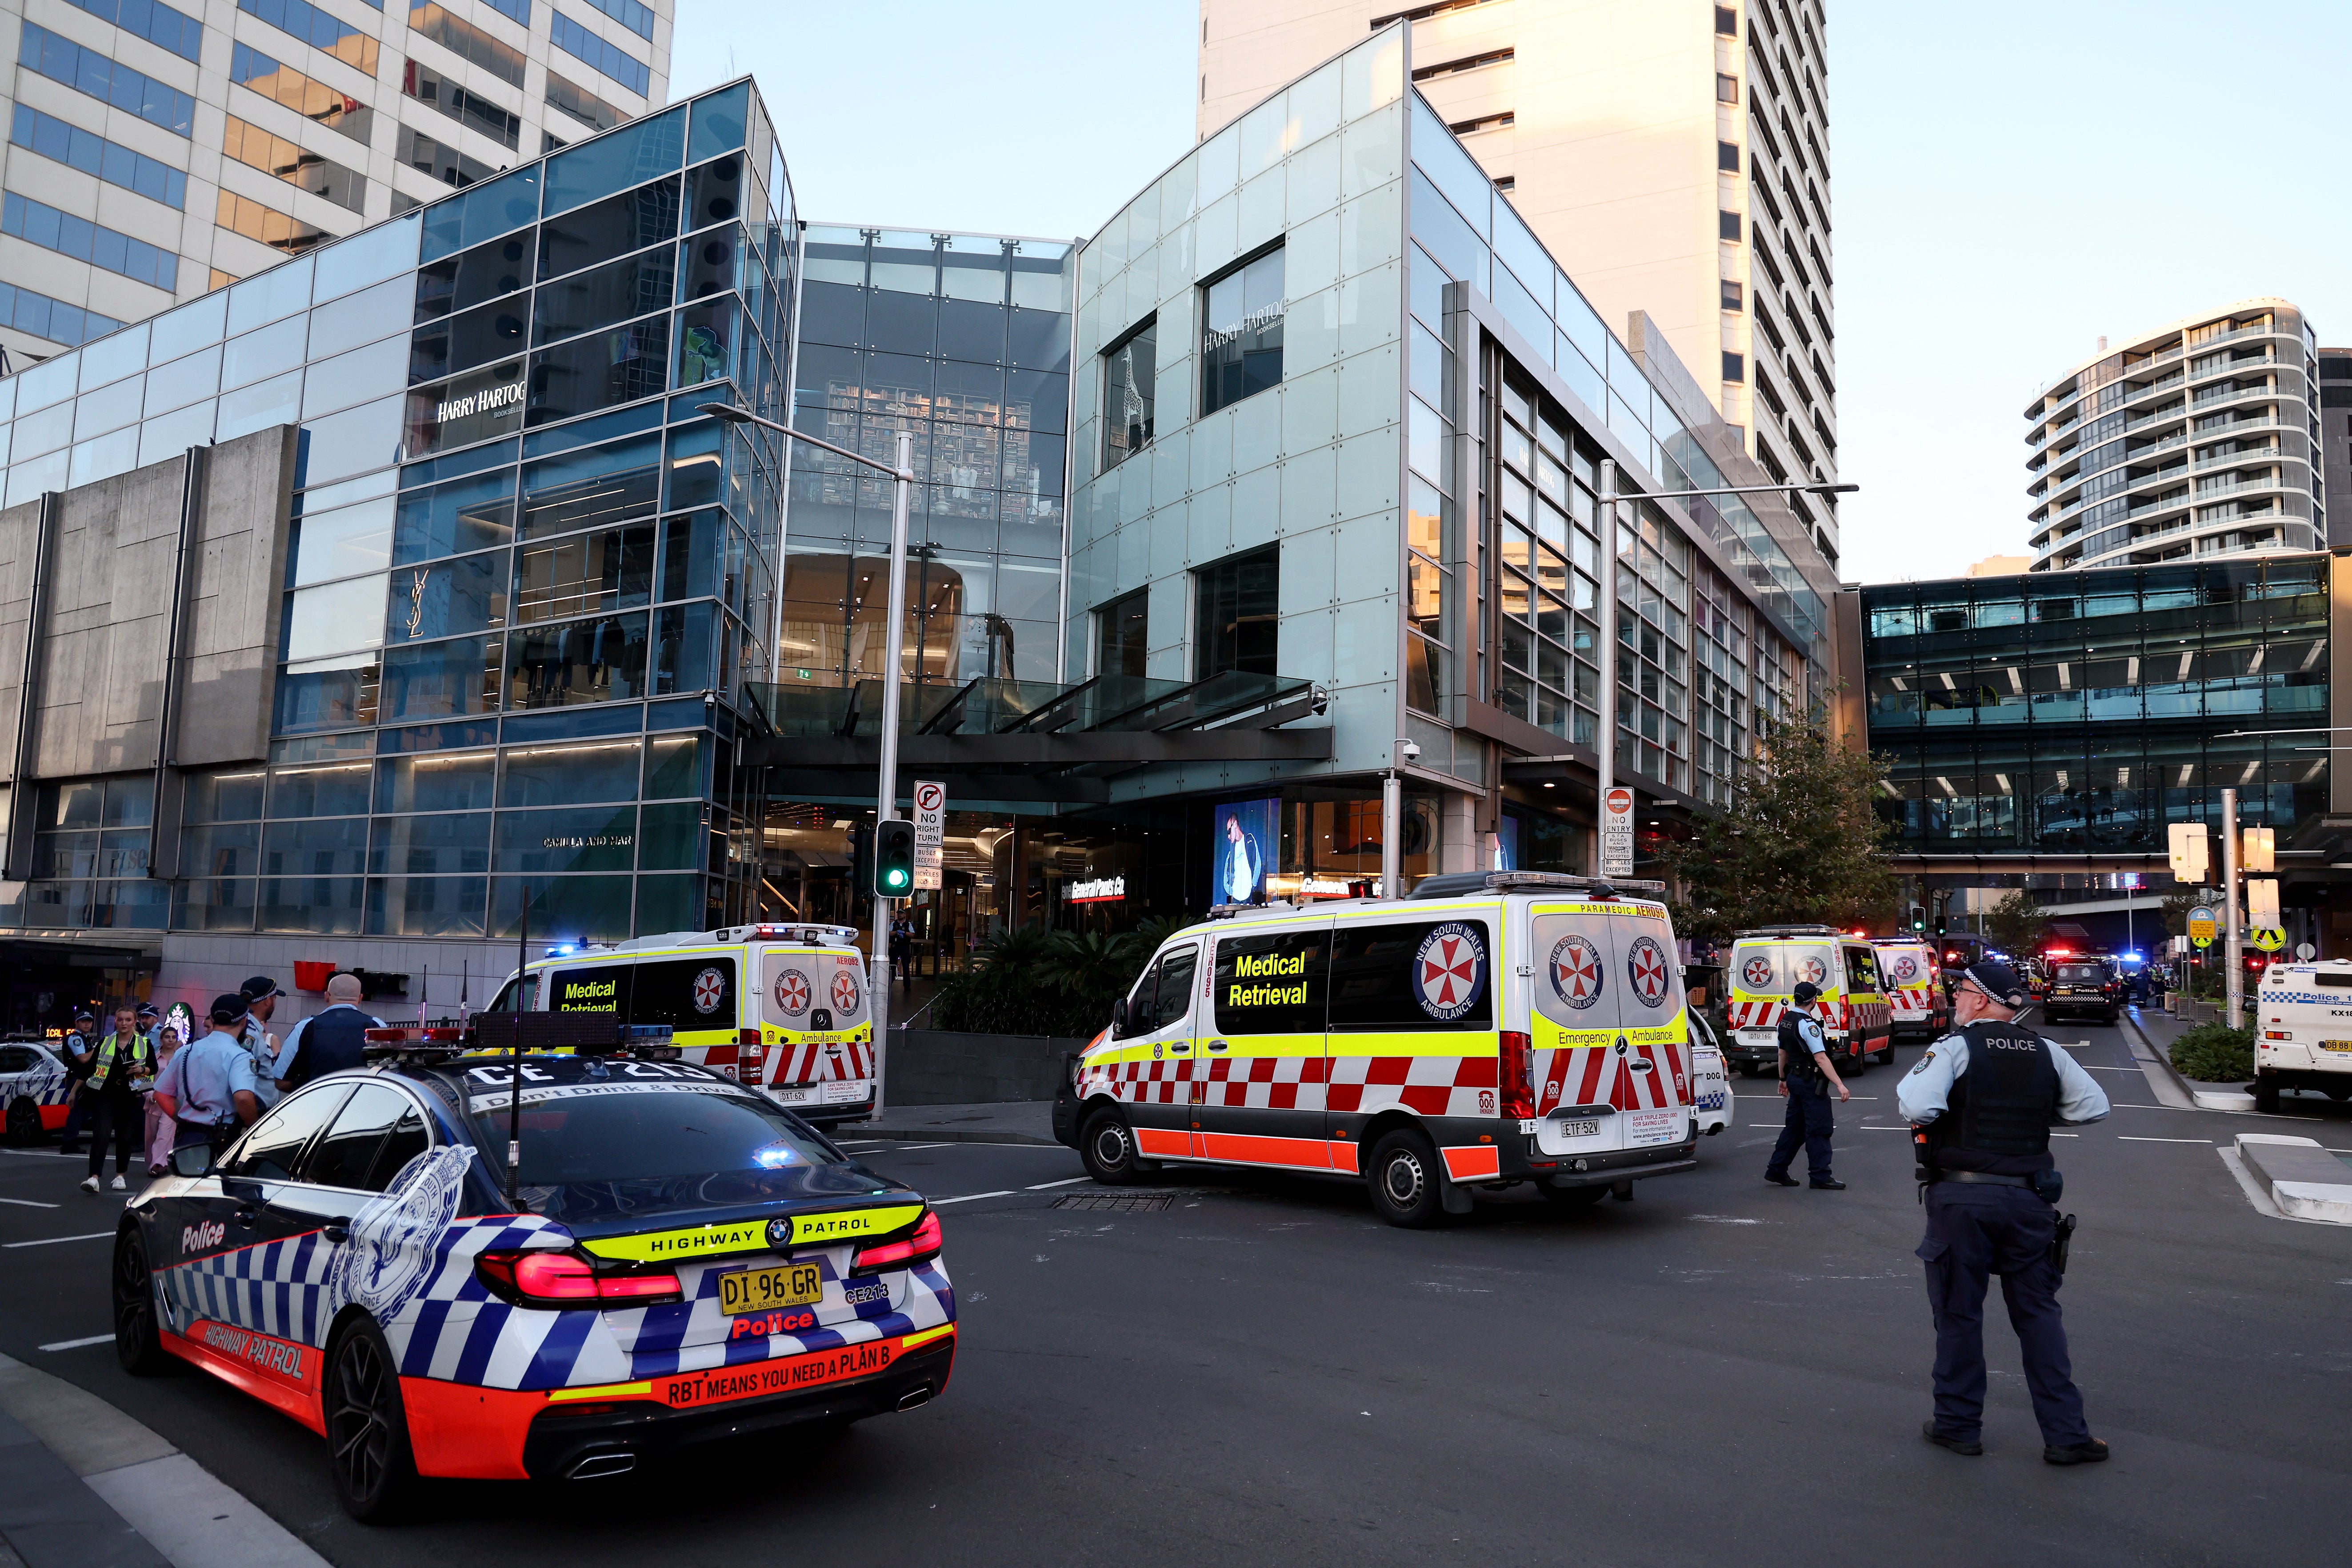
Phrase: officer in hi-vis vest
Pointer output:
(1806, 1080)
(1980, 1103)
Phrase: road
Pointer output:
(1261, 1371)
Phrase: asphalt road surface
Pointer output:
(1719, 1370)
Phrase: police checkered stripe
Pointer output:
(45, 1083)
(1431, 1086)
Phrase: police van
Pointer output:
(2305, 1038)
(781, 1007)
(1490, 1029)
(1914, 991)
(1767, 965)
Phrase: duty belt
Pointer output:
(1988, 1177)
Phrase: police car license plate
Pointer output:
(1585, 1128)
(743, 1291)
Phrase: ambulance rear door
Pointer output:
(816, 1018)
(1576, 1051)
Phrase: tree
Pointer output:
(2015, 924)
(1800, 842)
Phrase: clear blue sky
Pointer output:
(2012, 181)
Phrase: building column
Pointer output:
(1458, 848)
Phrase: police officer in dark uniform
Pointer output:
(1807, 1078)
(1982, 1100)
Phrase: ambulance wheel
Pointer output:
(2266, 1093)
(1574, 1197)
(1886, 1056)
(1406, 1180)
(2339, 1093)
(368, 1455)
(1107, 1148)
(136, 1343)
(23, 1122)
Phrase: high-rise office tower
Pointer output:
(158, 149)
(2201, 436)
(1673, 155)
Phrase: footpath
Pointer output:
(82, 1485)
(2285, 1175)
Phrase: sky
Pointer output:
(2011, 182)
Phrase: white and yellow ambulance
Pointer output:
(1768, 964)
(1491, 1029)
(781, 1007)
(1914, 985)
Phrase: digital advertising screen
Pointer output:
(1245, 845)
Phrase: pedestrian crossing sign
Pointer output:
(2270, 939)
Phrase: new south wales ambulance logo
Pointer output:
(1575, 972)
(1449, 971)
(1645, 966)
(1906, 969)
(710, 990)
(1757, 971)
(793, 993)
(845, 992)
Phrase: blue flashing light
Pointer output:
(563, 950)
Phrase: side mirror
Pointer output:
(338, 1231)
(192, 1160)
(1119, 1019)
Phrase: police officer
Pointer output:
(1807, 1077)
(1986, 1095)
(329, 1041)
(207, 1087)
(79, 1042)
(261, 995)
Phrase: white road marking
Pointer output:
(53, 1240)
(27, 1202)
(907, 1148)
(968, 1198)
(1064, 1182)
(2066, 1134)
(2127, 1138)
(77, 1344)
(2093, 1068)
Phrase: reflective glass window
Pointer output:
(597, 660)
(572, 775)
(435, 782)
(473, 277)
(1241, 332)
(654, 145)
(1128, 393)
(603, 296)
(453, 517)
(451, 844)
(438, 680)
(714, 192)
(584, 573)
(466, 593)
(568, 838)
(443, 347)
(614, 226)
(620, 365)
(601, 484)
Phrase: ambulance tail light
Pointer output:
(904, 1253)
(1518, 1072)
(2278, 1035)
(561, 1280)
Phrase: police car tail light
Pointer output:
(559, 1279)
(905, 1252)
(1518, 1072)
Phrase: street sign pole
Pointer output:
(2235, 951)
(902, 485)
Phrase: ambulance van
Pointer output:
(1767, 965)
(1491, 1029)
(2305, 1038)
(1915, 990)
(781, 1007)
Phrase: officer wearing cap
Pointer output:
(261, 995)
(208, 1088)
(1807, 1077)
(1985, 1097)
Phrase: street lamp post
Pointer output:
(1605, 744)
(902, 477)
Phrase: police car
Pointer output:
(1493, 1029)
(37, 1090)
(784, 1007)
(1711, 1096)
(2305, 1036)
(682, 1261)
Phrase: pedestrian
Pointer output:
(159, 1124)
(329, 1041)
(207, 1090)
(1985, 1096)
(122, 1069)
(1807, 1077)
(261, 995)
(77, 1044)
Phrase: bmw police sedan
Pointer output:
(682, 1260)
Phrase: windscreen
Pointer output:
(599, 1121)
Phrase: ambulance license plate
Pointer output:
(745, 1290)
(1583, 1128)
(2335, 1045)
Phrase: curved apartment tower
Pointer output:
(2195, 439)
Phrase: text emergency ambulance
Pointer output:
(781, 1007)
(1494, 1027)
(2305, 1039)
(1768, 964)
(1915, 990)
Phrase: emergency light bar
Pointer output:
(1790, 930)
(814, 935)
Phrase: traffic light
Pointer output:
(894, 859)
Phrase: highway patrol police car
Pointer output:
(687, 1262)
(35, 1088)
(2305, 1037)
(1493, 1029)
(782, 1007)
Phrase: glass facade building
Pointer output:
(2076, 716)
(525, 580)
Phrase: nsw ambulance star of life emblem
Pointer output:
(1449, 972)
(793, 993)
(1645, 966)
(710, 990)
(1575, 972)
(1757, 971)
